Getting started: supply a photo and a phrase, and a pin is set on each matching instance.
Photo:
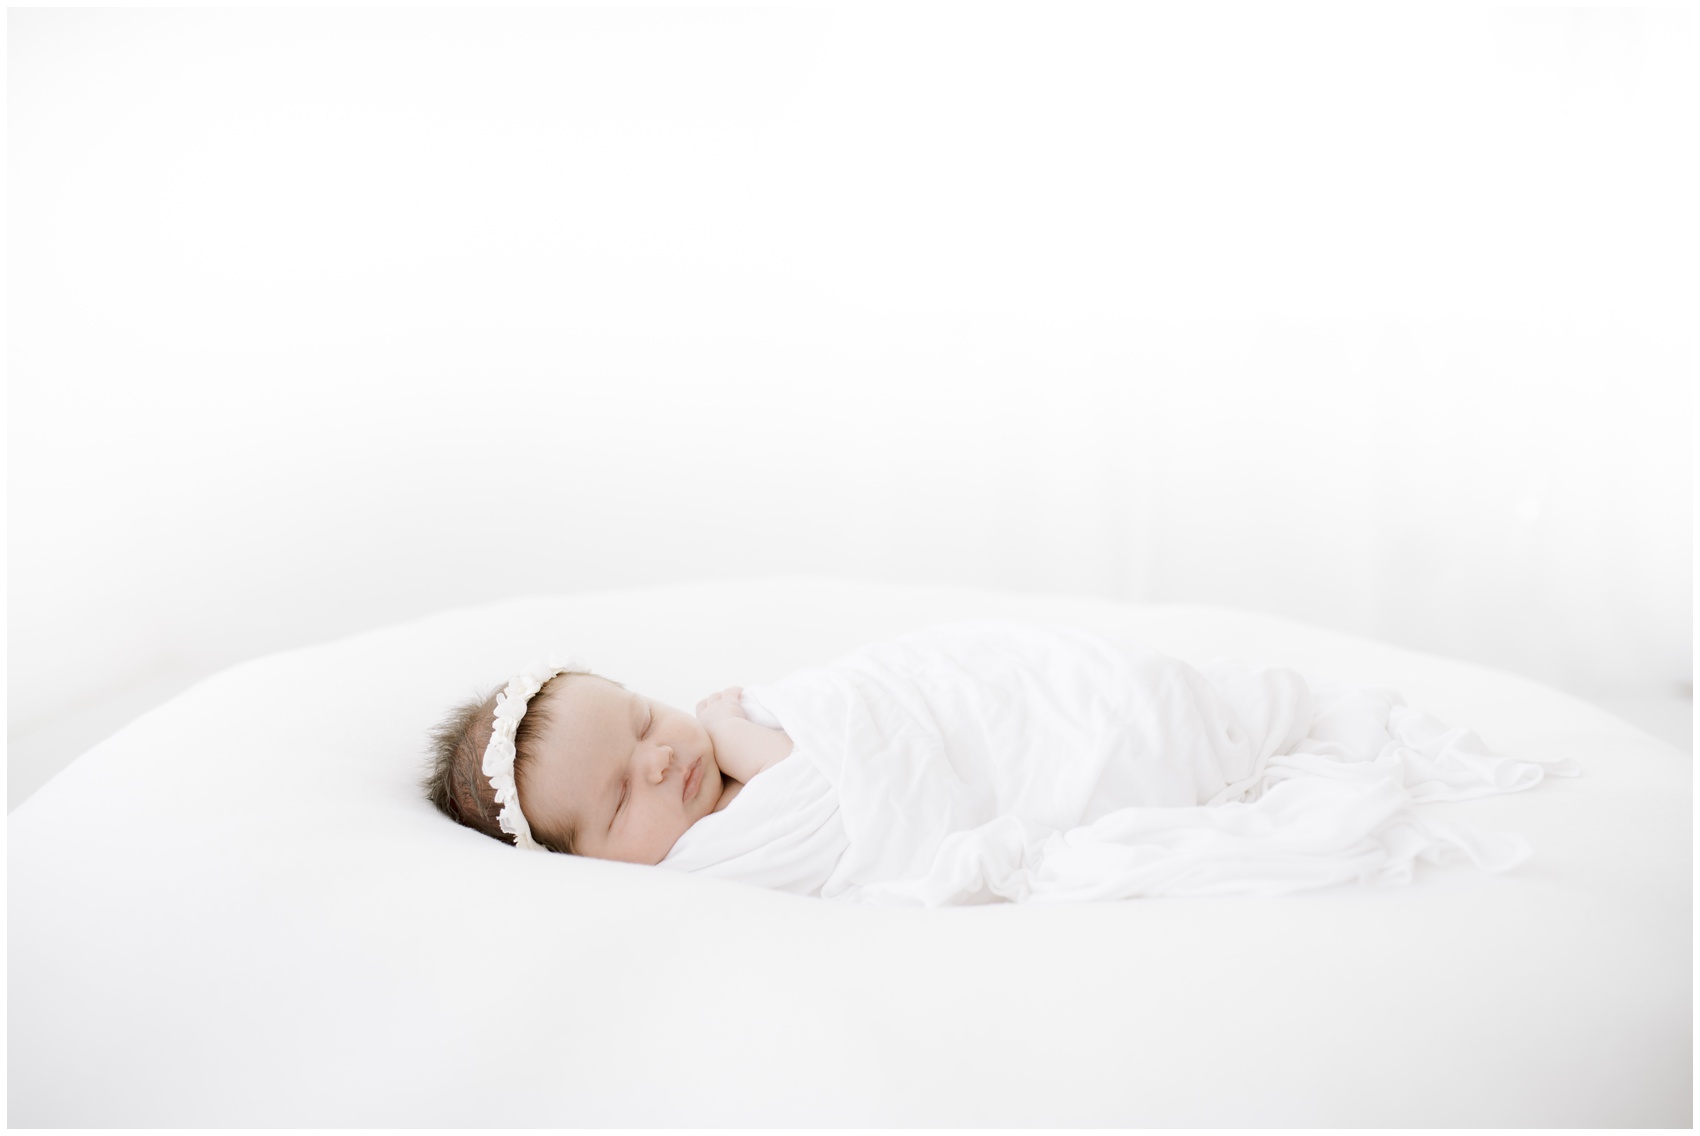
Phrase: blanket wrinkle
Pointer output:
(989, 761)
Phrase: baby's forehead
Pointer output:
(586, 708)
(587, 692)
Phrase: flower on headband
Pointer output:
(499, 754)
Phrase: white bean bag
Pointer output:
(240, 910)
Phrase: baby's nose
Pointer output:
(662, 763)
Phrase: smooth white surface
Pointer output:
(239, 910)
(1377, 316)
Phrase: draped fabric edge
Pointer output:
(1312, 817)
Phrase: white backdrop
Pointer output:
(1377, 318)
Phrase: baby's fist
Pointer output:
(719, 707)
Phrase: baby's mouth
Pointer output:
(693, 778)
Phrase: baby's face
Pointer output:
(623, 773)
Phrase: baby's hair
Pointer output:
(456, 783)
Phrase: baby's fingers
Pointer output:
(722, 703)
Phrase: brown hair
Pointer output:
(456, 783)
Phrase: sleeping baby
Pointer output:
(602, 771)
(981, 762)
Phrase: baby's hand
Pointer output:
(742, 749)
(717, 708)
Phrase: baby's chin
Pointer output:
(712, 789)
(690, 822)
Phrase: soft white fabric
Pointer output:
(240, 911)
(989, 760)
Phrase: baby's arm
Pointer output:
(742, 749)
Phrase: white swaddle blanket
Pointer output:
(984, 761)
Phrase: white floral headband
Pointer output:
(499, 754)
